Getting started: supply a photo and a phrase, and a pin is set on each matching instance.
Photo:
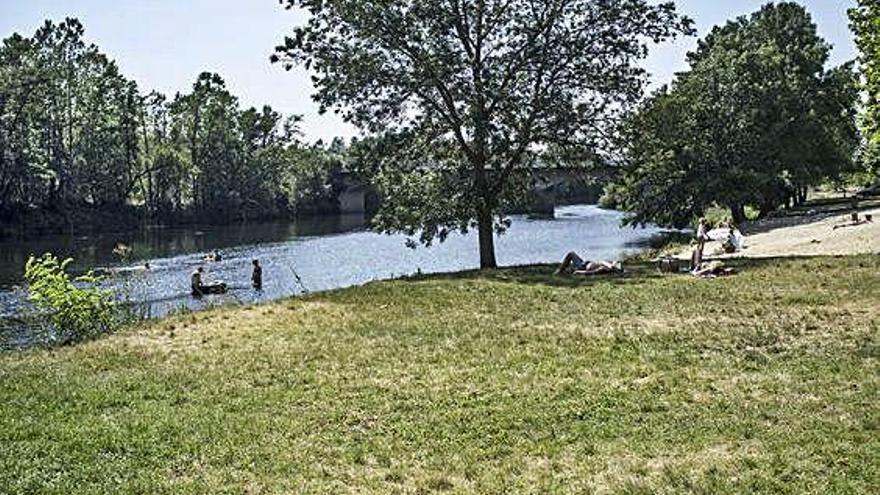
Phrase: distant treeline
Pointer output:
(81, 145)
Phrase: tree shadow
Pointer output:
(635, 273)
(813, 211)
(543, 274)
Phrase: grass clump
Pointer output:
(509, 381)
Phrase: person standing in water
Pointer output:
(196, 282)
(257, 275)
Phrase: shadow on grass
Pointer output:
(543, 274)
(635, 273)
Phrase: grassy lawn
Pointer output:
(514, 381)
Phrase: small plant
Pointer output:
(76, 309)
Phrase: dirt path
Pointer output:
(811, 236)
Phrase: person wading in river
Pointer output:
(196, 282)
(257, 275)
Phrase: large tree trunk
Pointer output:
(486, 204)
(738, 213)
(487, 239)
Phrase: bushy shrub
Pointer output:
(75, 307)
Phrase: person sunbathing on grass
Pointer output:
(599, 268)
(572, 263)
(712, 269)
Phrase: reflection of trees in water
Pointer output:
(158, 242)
(314, 250)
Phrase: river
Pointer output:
(326, 253)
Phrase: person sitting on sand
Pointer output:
(578, 266)
(728, 244)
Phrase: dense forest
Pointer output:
(81, 145)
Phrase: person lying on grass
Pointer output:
(712, 269)
(572, 263)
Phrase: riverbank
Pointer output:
(508, 381)
(812, 232)
(336, 252)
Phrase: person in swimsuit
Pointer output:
(578, 266)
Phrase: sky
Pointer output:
(165, 44)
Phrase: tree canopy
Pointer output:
(865, 23)
(77, 136)
(755, 120)
(459, 93)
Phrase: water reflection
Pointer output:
(158, 242)
(325, 252)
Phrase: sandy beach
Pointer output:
(807, 235)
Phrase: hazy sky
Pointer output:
(164, 44)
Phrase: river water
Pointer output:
(326, 253)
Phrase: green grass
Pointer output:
(507, 382)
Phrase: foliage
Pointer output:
(717, 215)
(611, 196)
(317, 177)
(76, 135)
(66, 121)
(460, 94)
(755, 121)
(865, 23)
(75, 307)
(511, 381)
(237, 158)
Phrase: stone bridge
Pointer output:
(551, 186)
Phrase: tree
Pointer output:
(67, 122)
(464, 92)
(82, 147)
(755, 121)
(865, 23)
